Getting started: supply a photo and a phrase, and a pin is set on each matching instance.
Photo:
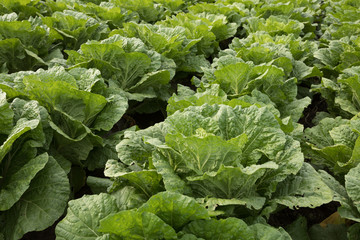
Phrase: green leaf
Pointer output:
(131, 66)
(233, 78)
(61, 96)
(73, 139)
(147, 10)
(319, 135)
(165, 162)
(185, 97)
(289, 161)
(302, 71)
(332, 143)
(137, 225)
(208, 152)
(83, 217)
(15, 57)
(306, 189)
(352, 185)
(75, 27)
(330, 56)
(41, 205)
(98, 157)
(6, 115)
(298, 229)
(127, 63)
(250, 202)
(259, 124)
(295, 108)
(347, 208)
(133, 149)
(98, 185)
(275, 25)
(174, 209)
(265, 232)
(28, 120)
(115, 108)
(17, 179)
(147, 181)
(128, 198)
(229, 228)
(230, 182)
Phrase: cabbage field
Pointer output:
(180, 119)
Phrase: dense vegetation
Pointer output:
(179, 119)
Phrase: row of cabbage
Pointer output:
(227, 156)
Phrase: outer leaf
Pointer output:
(250, 202)
(83, 217)
(115, 108)
(75, 27)
(306, 189)
(174, 209)
(230, 182)
(265, 232)
(260, 126)
(207, 153)
(347, 209)
(233, 78)
(18, 178)
(229, 228)
(98, 185)
(164, 162)
(29, 121)
(289, 161)
(133, 149)
(6, 115)
(131, 66)
(128, 198)
(275, 25)
(137, 225)
(331, 143)
(82, 106)
(352, 185)
(15, 57)
(147, 182)
(41, 205)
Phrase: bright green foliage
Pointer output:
(207, 27)
(174, 209)
(275, 25)
(25, 8)
(148, 10)
(75, 28)
(234, 12)
(164, 214)
(238, 78)
(219, 149)
(171, 42)
(113, 16)
(127, 64)
(291, 54)
(136, 225)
